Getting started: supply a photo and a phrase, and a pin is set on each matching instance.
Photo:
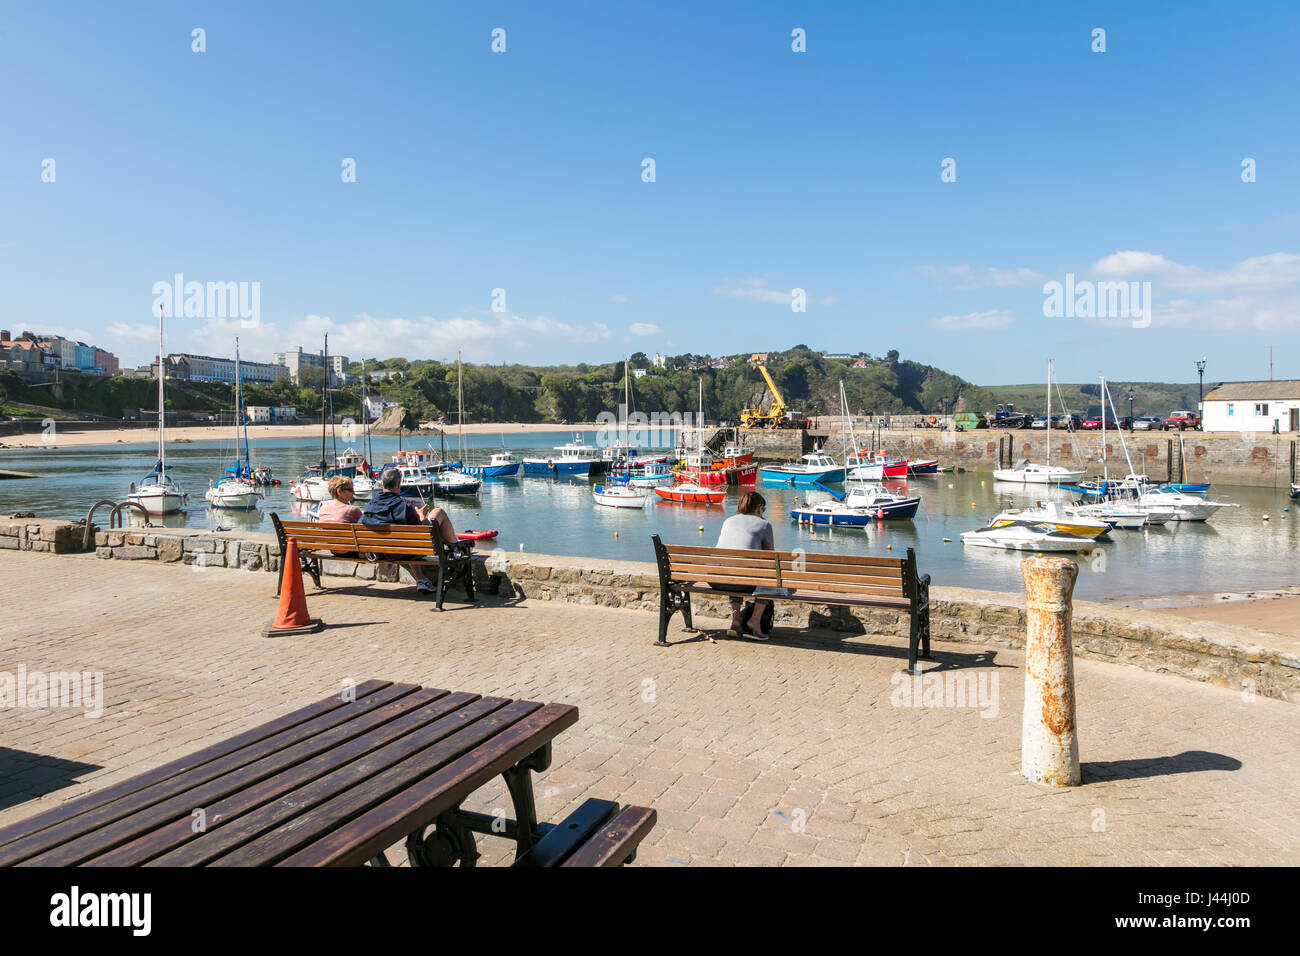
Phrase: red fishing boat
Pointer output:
(690, 493)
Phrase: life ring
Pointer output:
(933, 419)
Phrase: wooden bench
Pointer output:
(365, 544)
(834, 579)
(335, 784)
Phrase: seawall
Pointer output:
(1227, 656)
(1259, 460)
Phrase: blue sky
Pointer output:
(774, 170)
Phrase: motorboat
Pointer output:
(687, 492)
(312, 486)
(923, 466)
(815, 468)
(1295, 490)
(1027, 536)
(572, 458)
(447, 484)
(865, 466)
(618, 496)
(880, 502)
(1185, 507)
(501, 465)
(834, 514)
(1059, 517)
(1118, 514)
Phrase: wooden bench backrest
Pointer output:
(798, 570)
(416, 540)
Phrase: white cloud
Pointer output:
(479, 336)
(756, 290)
(1274, 271)
(967, 277)
(618, 298)
(644, 328)
(993, 319)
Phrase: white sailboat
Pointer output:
(1028, 473)
(157, 493)
(236, 489)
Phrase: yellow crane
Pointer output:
(777, 416)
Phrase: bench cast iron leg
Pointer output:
(520, 785)
(686, 614)
(448, 843)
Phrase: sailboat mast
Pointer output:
(365, 415)
(1105, 472)
(239, 408)
(460, 411)
(162, 444)
(322, 404)
(1049, 412)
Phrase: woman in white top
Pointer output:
(746, 530)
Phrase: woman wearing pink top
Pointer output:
(340, 509)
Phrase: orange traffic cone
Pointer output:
(292, 617)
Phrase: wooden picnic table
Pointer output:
(334, 784)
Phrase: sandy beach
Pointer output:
(1277, 611)
(182, 433)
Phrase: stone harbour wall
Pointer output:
(1223, 655)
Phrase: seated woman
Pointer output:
(746, 530)
(340, 509)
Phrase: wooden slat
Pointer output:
(203, 796)
(723, 579)
(419, 804)
(385, 548)
(26, 830)
(23, 851)
(432, 706)
(616, 840)
(687, 549)
(851, 559)
(371, 781)
(818, 597)
(810, 563)
(830, 579)
(704, 572)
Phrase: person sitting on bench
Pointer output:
(389, 507)
(340, 507)
(746, 530)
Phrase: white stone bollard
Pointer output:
(1049, 746)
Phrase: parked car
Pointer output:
(1125, 422)
(1182, 419)
(1148, 423)
(1094, 423)
(1039, 422)
(1068, 422)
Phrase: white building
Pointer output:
(296, 361)
(208, 368)
(375, 405)
(660, 361)
(262, 414)
(1253, 407)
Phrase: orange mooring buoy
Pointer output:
(292, 616)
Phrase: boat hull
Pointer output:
(1022, 477)
(233, 500)
(691, 497)
(551, 467)
(159, 504)
(800, 479)
(492, 471)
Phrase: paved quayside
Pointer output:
(788, 752)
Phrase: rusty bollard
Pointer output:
(1049, 747)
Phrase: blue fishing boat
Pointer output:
(573, 458)
(813, 469)
(502, 465)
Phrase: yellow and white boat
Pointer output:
(1059, 517)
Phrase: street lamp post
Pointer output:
(1130, 411)
(1200, 391)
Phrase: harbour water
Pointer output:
(1237, 550)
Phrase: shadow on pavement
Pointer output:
(25, 776)
(1189, 761)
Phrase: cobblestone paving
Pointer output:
(792, 752)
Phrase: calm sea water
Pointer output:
(1237, 550)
